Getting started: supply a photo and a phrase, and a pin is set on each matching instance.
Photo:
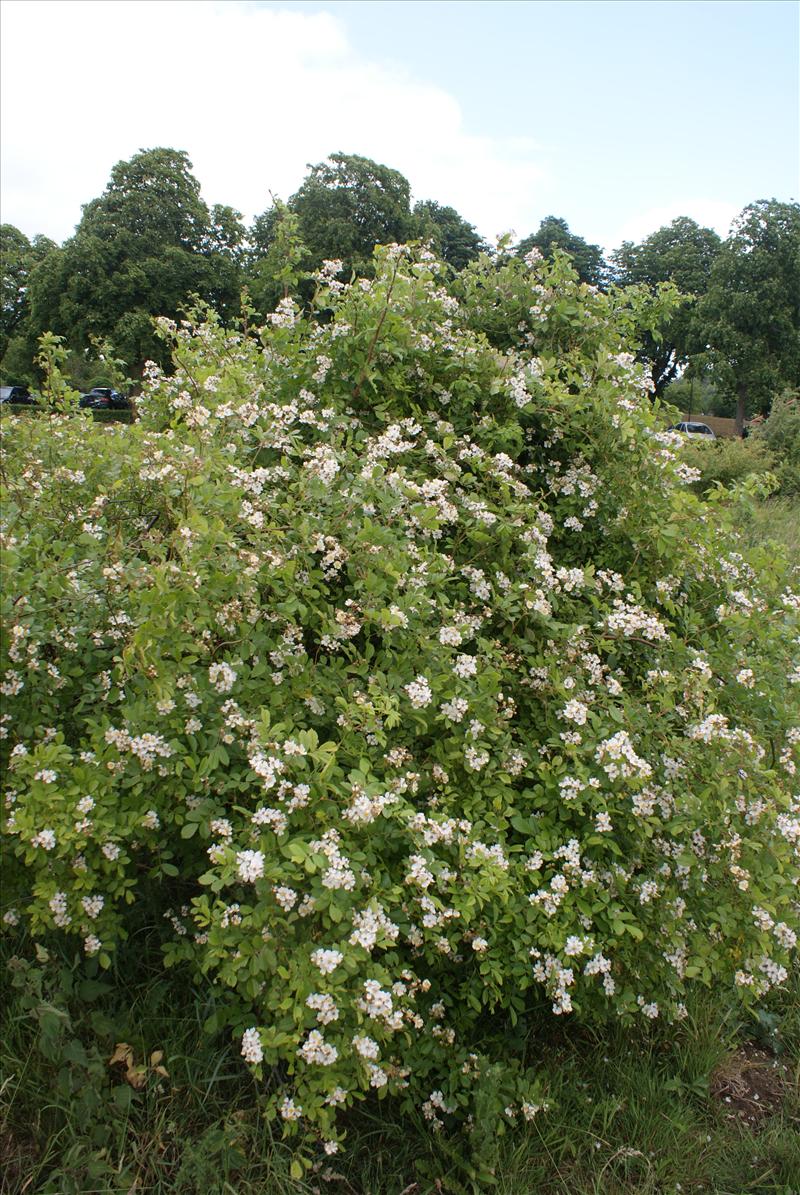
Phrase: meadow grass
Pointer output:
(776, 521)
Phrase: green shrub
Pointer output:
(405, 685)
(98, 416)
(780, 432)
(725, 462)
(101, 416)
(17, 409)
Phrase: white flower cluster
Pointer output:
(250, 866)
(146, 747)
(575, 711)
(339, 873)
(378, 1005)
(58, 907)
(93, 905)
(367, 1047)
(316, 1051)
(284, 315)
(455, 710)
(619, 759)
(364, 809)
(548, 970)
(322, 464)
(419, 692)
(465, 666)
(326, 961)
(324, 1006)
(630, 619)
(222, 677)
(46, 839)
(371, 924)
(252, 1050)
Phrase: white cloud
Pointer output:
(252, 94)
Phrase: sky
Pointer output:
(616, 115)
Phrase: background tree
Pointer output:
(19, 257)
(682, 252)
(751, 311)
(141, 249)
(456, 241)
(347, 205)
(554, 233)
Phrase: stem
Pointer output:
(373, 343)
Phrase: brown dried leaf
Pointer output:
(136, 1076)
(123, 1054)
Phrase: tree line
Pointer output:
(150, 245)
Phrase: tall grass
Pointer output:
(776, 521)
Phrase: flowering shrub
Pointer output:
(408, 682)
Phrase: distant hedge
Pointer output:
(98, 416)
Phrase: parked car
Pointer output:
(693, 429)
(17, 396)
(103, 398)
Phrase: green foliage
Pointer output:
(400, 681)
(694, 394)
(645, 1109)
(276, 270)
(751, 312)
(453, 239)
(776, 522)
(52, 358)
(141, 249)
(723, 462)
(349, 204)
(682, 253)
(554, 234)
(19, 257)
(496, 295)
(780, 433)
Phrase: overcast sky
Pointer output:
(617, 116)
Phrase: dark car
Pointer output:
(16, 396)
(103, 398)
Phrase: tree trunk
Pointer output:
(741, 407)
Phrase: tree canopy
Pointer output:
(751, 311)
(683, 253)
(455, 241)
(554, 233)
(18, 258)
(150, 243)
(349, 204)
(141, 249)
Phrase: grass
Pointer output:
(777, 521)
(713, 1107)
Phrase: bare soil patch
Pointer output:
(752, 1085)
